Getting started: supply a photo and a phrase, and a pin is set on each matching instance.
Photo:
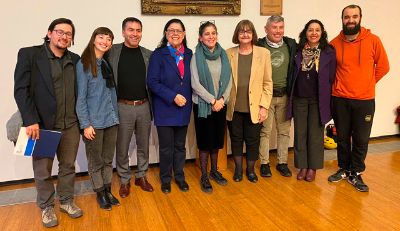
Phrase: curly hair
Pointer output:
(323, 42)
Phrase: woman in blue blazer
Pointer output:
(168, 79)
(309, 104)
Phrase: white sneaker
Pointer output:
(71, 209)
(49, 218)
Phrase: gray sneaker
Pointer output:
(71, 209)
(49, 218)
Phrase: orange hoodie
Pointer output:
(360, 65)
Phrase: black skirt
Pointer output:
(210, 131)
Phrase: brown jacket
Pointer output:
(260, 86)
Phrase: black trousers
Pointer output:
(308, 134)
(172, 152)
(353, 121)
(242, 129)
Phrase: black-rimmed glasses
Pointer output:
(62, 33)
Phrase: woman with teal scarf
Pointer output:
(211, 84)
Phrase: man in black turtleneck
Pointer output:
(129, 62)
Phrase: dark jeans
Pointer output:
(353, 121)
(172, 152)
(66, 155)
(308, 134)
(242, 129)
(100, 155)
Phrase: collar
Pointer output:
(50, 53)
(272, 44)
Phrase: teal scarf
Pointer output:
(203, 53)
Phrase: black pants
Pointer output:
(172, 152)
(308, 134)
(242, 129)
(353, 121)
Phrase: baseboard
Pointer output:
(154, 165)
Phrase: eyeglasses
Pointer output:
(242, 32)
(62, 33)
(174, 31)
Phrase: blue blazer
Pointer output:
(165, 82)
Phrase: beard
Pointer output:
(351, 31)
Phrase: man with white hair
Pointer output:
(283, 50)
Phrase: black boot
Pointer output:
(238, 176)
(103, 200)
(111, 198)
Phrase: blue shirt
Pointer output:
(96, 104)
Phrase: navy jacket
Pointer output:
(165, 82)
(37, 105)
(326, 76)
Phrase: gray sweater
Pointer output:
(199, 91)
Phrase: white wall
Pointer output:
(25, 22)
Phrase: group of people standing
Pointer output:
(114, 91)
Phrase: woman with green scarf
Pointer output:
(211, 84)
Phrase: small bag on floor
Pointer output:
(13, 126)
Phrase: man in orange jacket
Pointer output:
(361, 63)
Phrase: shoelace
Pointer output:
(48, 213)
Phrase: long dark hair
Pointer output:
(88, 57)
(323, 41)
(164, 41)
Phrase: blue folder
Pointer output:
(47, 144)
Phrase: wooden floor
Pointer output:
(275, 203)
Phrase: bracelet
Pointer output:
(215, 101)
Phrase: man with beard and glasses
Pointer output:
(361, 63)
(45, 92)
